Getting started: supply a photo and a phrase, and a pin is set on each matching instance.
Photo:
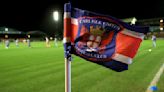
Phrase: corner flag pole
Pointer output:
(67, 29)
(67, 75)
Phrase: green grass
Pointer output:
(41, 69)
(161, 84)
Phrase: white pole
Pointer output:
(67, 75)
(67, 29)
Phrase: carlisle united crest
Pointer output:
(95, 40)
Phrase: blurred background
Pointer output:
(36, 17)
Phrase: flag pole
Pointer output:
(67, 75)
(67, 46)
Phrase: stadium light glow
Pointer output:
(6, 36)
(28, 36)
(134, 20)
(161, 20)
(6, 29)
(161, 28)
(56, 15)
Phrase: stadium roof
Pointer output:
(36, 32)
(5, 30)
(128, 19)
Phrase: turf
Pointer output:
(41, 69)
(160, 85)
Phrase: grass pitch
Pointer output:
(41, 69)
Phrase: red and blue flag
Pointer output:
(101, 39)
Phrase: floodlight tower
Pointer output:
(134, 20)
(56, 15)
(56, 19)
(161, 24)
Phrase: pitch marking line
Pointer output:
(156, 79)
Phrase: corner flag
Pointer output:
(100, 39)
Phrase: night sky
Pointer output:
(28, 15)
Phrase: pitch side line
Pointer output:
(156, 79)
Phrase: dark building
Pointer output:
(156, 25)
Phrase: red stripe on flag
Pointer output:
(70, 30)
(74, 32)
(67, 27)
(127, 45)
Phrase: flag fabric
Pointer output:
(100, 39)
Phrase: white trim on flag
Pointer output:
(74, 21)
(122, 58)
(67, 15)
(133, 34)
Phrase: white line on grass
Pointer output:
(156, 79)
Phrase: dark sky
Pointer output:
(27, 15)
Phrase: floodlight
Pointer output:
(56, 15)
(6, 29)
(161, 20)
(161, 28)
